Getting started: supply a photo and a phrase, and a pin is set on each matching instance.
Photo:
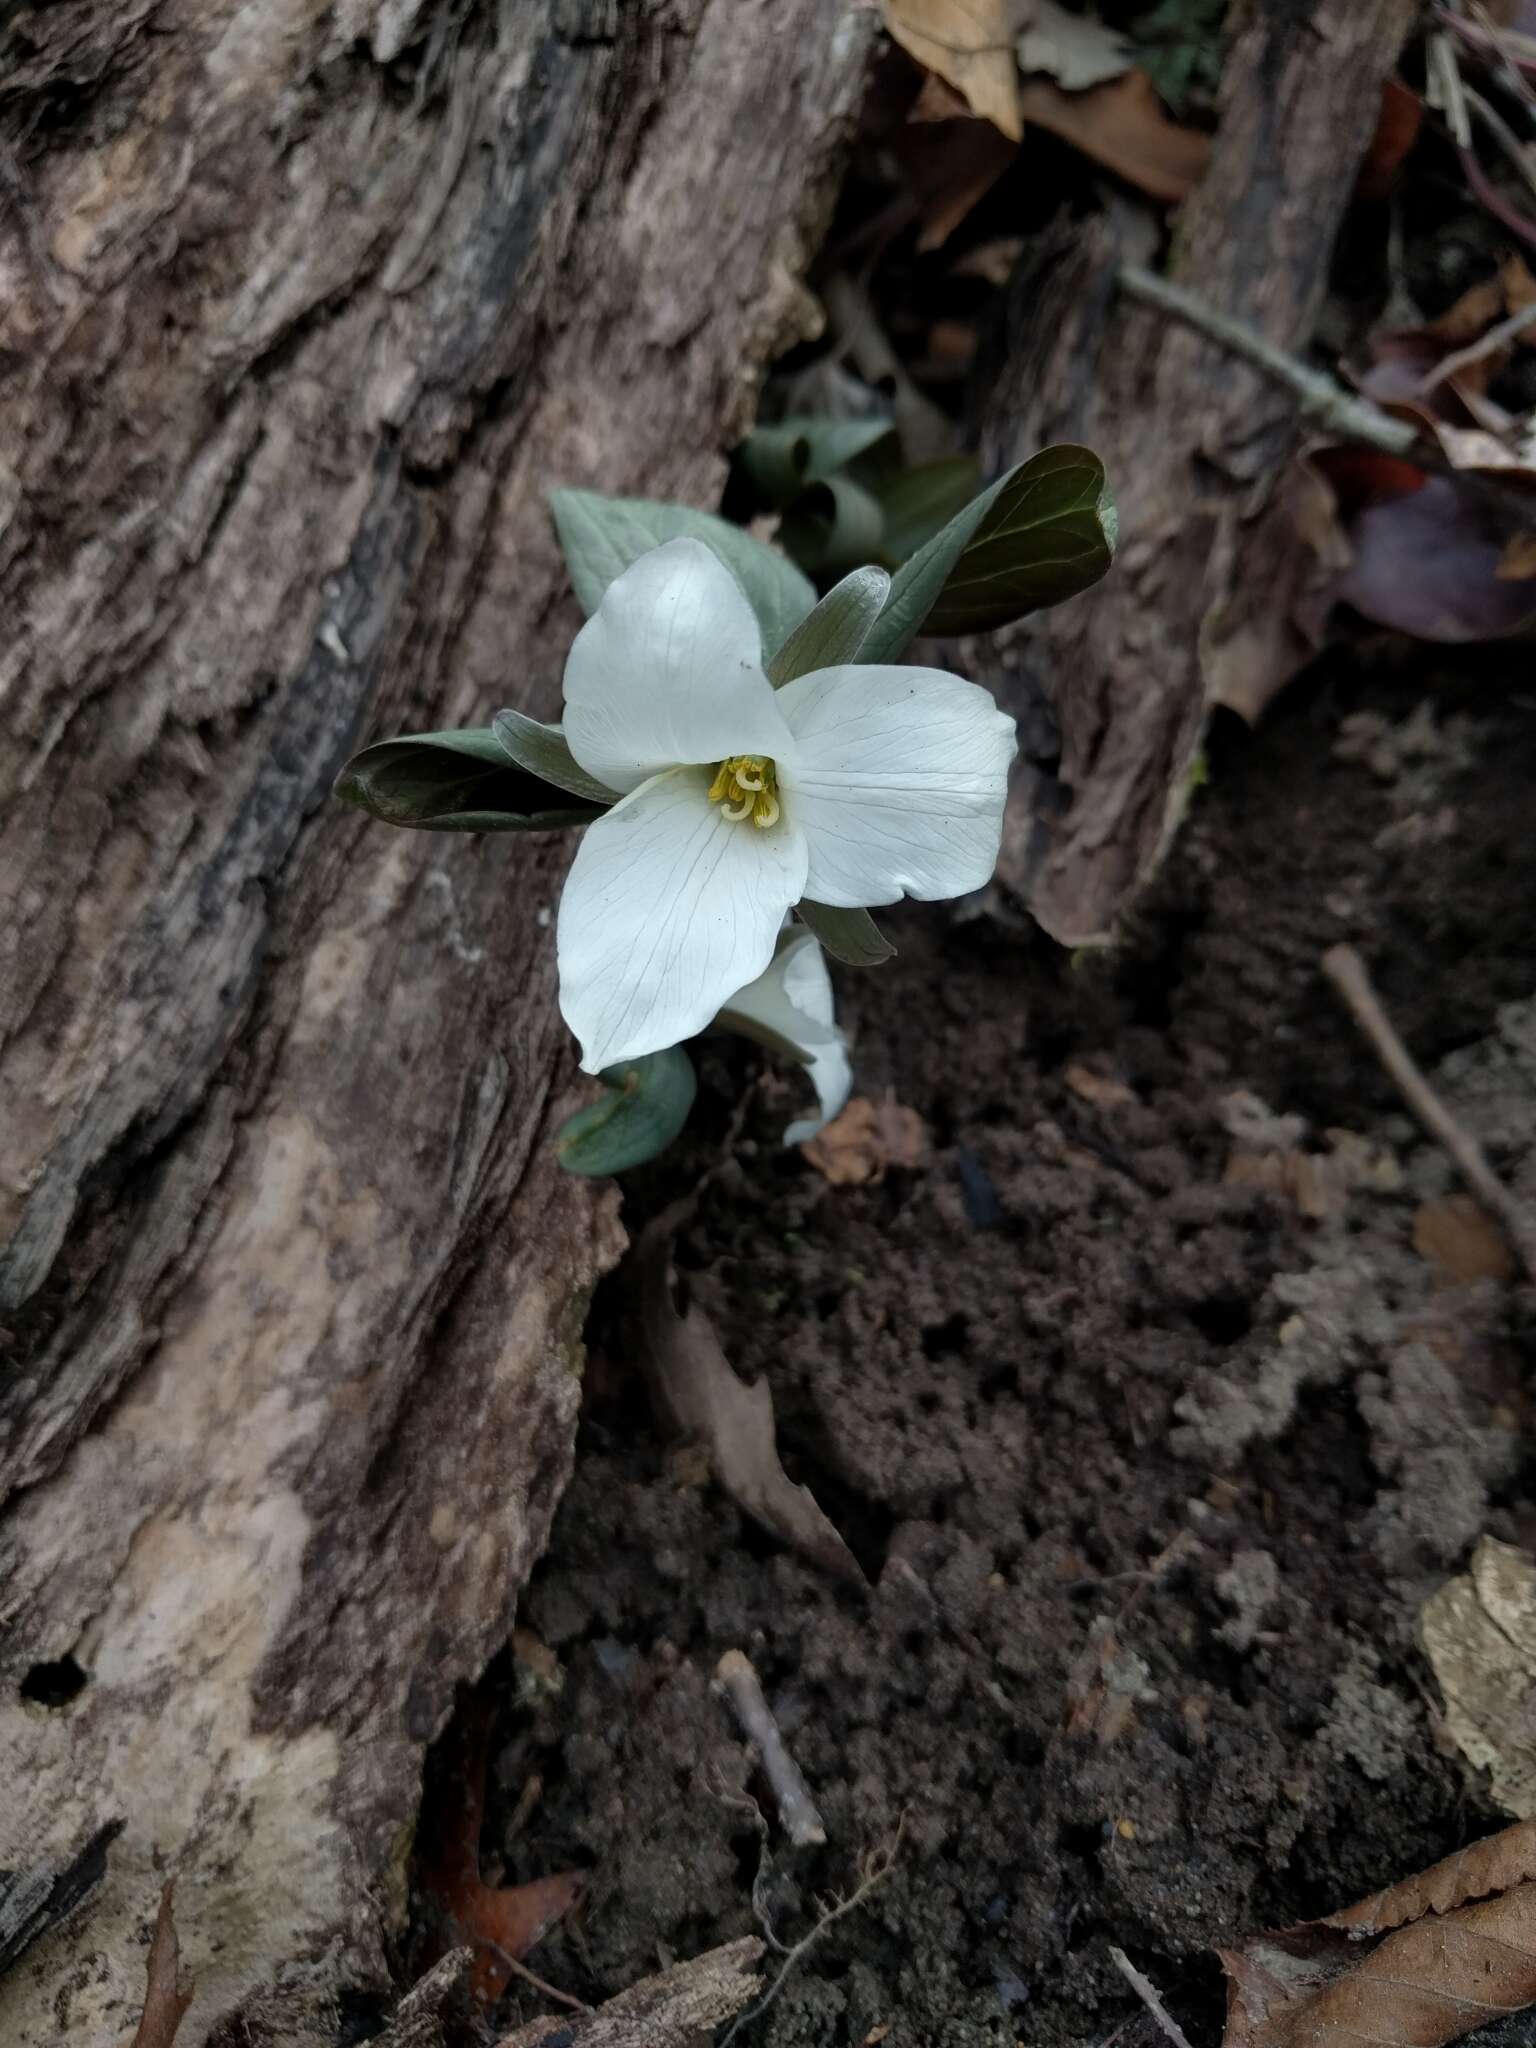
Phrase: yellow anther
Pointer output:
(746, 786)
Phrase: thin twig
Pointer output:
(797, 1809)
(1503, 135)
(1500, 336)
(1347, 971)
(1334, 408)
(546, 1990)
(876, 1868)
(1149, 1998)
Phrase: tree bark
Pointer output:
(1194, 441)
(305, 306)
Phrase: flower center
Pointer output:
(747, 787)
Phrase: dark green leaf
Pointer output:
(543, 751)
(603, 536)
(456, 782)
(780, 461)
(1039, 535)
(835, 631)
(851, 936)
(832, 525)
(645, 1106)
(919, 502)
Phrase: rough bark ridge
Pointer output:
(303, 306)
(1192, 439)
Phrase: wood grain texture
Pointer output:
(303, 308)
(1193, 440)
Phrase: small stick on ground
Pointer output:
(1347, 971)
(875, 1869)
(540, 1984)
(797, 1809)
(1149, 1998)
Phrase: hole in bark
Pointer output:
(55, 1684)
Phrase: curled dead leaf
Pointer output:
(967, 43)
(1455, 1947)
(1102, 1090)
(1462, 1242)
(166, 1998)
(1122, 125)
(496, 1922)
(693, 1384)
(858, 1147)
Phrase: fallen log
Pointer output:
(306, 306)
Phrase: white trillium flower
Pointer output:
(789, 1009)
(852, 786)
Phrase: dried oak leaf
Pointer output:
(1122, 125)
(1462, 1242)
(495, 1922)
(692, 1383)
(166, 1998)
(859, 1146)
(1457, 1948)
(967, 43)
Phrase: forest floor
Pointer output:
(1150, 1471)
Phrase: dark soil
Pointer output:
(1148, 1473)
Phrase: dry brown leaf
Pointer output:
(858, 1146)
(496, 1922)
(165, 1997)
(968, 44)
(1122, 125)
(1102, 1090)
(1518, 560)
(1074, 49)
(692, 1382)
(1462, 1952)
(1519, 291)
(1462, 1242)
(1479, 1634)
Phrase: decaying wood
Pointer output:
(674, 2009)
(1194, 440)
(305, 305)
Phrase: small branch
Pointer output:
(537, 1983)
(1149, 1998)
(876, 1868)
(1347, 971)
(1334, 408)
(1497, 337)
(797, 1809)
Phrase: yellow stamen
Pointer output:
(746, 786)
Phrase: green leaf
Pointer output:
(603, 536)
(456, 782)
(1042, 533)
(543, 751)
(832, 525)
(646, 1105)
(835, 631)
(919, 502)
(851, 936)
(780, 461)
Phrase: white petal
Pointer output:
(831, 1074)
(669, 907)
(897, 779)
(789, 1009)
(668, 671)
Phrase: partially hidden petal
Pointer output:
(897, 778)
(669, 908)
(668, 672)
(789, 1009)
